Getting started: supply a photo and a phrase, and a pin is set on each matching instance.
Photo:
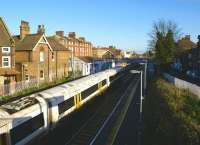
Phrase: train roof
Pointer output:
(17, 105)
(76, 86)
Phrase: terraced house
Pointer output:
(61, 58)
(7, 60)
(35, 59)
(78, 46)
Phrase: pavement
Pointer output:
(129, 130)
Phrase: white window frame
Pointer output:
(41, 56)
(27, 76)
(9, 61)
(3, 51)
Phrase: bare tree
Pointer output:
(163, 27)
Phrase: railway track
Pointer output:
(81, 126)
(88, 131)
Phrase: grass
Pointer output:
(36, 88)
(171, 115)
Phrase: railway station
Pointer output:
(89, 110)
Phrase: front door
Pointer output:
(6, 87)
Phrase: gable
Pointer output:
(108, 54)
(43, 40)
(5, 37)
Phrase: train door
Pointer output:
(100, 87)
(77, 100)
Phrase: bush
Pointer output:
(171, 115)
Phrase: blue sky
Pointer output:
(123, 23)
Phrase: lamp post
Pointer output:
(141, 98)
(145, 76)
(141, 94)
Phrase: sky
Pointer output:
(122, 23)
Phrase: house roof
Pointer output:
(115, 52)
(86, 59)
(28, 43)
(5, 37)
(55, 45)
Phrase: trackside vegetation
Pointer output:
(171, 115)
(36, 88)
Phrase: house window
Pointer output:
(27, 77)
(41, 74)
(41, 56)
(6, 61)
(52, 56)
(6, 49)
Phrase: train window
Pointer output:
(64, 106)
(89, 91)
(25, 129)
(112, 78)
(104, 82)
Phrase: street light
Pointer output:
(145, 76)
(141, 96)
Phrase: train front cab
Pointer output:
(24, 123)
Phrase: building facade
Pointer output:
(34, 55)
(188, 61)
(7, 60)
(78, 46)
(61, 56)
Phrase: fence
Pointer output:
(195, 89)
(14, 88)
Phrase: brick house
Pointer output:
(7, 60)
(190, 57)
(78, 46)
(61, 56)
(34, 55)
(107, 53)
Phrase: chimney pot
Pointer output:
(60, 33)
(41, 29)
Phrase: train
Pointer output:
(24, 119)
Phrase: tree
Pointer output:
(163, 41)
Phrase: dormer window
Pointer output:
(6, 49)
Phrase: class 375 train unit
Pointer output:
(24, 119)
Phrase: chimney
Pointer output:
(72, 35)
(60, 33)
(24, 29)
(41, 29)
(187, 37)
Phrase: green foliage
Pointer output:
(37, 88)
(165, 48)
(171, 115)
(164, 37)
